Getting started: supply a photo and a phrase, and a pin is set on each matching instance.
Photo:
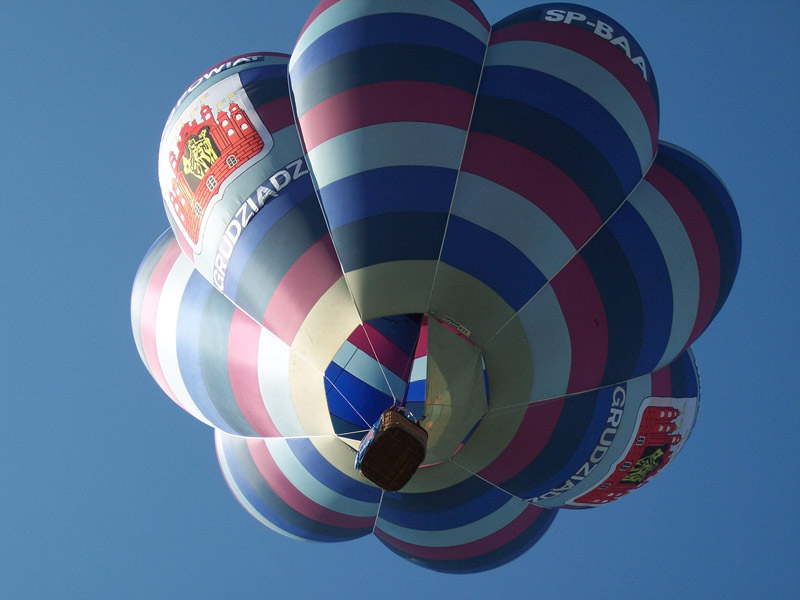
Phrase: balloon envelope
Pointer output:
(476, 222)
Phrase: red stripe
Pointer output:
(472, 8)
(610, 57)
(293, 497)
(491, 542)
(276, 115)
(422, 343)
(321, 8)
(530, 439)
(243, 344)
(536, 179)
(583, 311)
(701, 236)
(300, 289)
(152, 295)
(385, 102)
(661, 383)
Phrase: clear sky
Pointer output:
(109, 490)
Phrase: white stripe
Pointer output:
(385, 145)
(550, 344)
(169, 303)
(237, 491)
(273, 383)
(514, 218)
(349, 10)
(363, 366)
(587, 76)
(306, 484)
(457, 536)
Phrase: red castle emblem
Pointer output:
(651, 451)
(207, 154)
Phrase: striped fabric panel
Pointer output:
(383, 95)
(563, 123)
(718, 254)
(583, 38)
(209, 356)
(289, 487)
(560, 447)
(468, 527)
(554, 439)
(644, 286)
(370, 372)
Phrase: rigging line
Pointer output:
(576, 253)
(316, 193)
(330, 232)
(497, 487)
(572, 395)
(378, 512)
(333, 384)
(458, 172)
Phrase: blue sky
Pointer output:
(110, 490)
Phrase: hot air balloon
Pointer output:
(475, 225)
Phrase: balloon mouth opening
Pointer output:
(425, 363)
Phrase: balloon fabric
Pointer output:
(475, 222)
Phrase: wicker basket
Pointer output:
(393, 453)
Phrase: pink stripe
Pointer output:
(701, 236)
(472, 8)
(298, 501)
(611, 58)
(479, 547)
(300, 289)
(243, 341)
(536, 179)
(583, 311)
(152, 295)
(385, 102)
(321, 8)
(530, 439)
(661, 382)
(422, 343)
(385, 352)
(276, 115)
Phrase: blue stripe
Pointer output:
(577, 415)
(554, 140)
(263, 222)
(386, 62)
(386, 238)
(388, 190)
(572, 106)
(452, 507)
(386, 28)
(652, 277)
(270, 506)
(195, 315)
(539, 13)
(330, 476)
(416, 391)
(589, 434)
(364, 398)
(265, 72)
(489, 560)
(492, 260)
(400, 330)
(716, 203)
(622, 304)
